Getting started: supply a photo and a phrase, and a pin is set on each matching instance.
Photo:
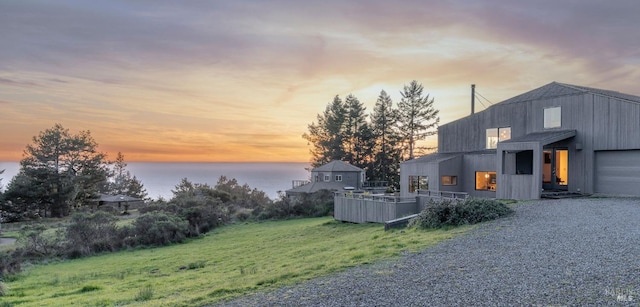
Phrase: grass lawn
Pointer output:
(228, 262)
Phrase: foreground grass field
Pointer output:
(228, 262)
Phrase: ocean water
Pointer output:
(159, 178)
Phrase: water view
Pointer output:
(159, 178)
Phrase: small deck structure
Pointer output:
(381, 208)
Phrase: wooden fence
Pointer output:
(363, 208)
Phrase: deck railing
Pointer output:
(297, 183)
(443, 194)
(380, 208)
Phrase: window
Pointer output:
(317, 178)
(449, 180)
(552, 117)
(492, 138)
(495, 135)
(418, 183)
(327, 178)
(504, 134)
(486, 181)
(338, 177)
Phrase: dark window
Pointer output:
(418, 183)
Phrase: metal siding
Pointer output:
(618, 172)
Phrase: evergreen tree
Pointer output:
(357, 134)
(123, 183)
(326, 136)
(417, 116)
(384, 121)
(67, 167)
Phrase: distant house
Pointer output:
(333, 176)
(558, 137)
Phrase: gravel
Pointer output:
(574, 252)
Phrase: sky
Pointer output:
(236, 81)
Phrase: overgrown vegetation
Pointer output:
(447, 212)
(230, 261)
(194, 210)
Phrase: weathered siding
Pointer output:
(473, 163)
(451, 167)
(429, 169)
(363, 210)
(469, 133)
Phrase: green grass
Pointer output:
(228, 262)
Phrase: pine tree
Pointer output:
(68, 166)
(417, 116)
(357, 133)
(384, 121)
(326, 136)
(123, 183)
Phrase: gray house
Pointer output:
(333, 176)
(558, 137)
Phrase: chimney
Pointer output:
(473, 98)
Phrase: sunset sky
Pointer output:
(241, 80)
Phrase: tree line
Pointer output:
(61, 171)
(375, 142)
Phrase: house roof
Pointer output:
(337, 166)
(556, 89)
(317, 186)
(544, 137)
(439, 157)
(434, 157)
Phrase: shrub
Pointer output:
(448, 212)
(3, 289)
(315, 204)
(38, 243)
(91, 233)
(159, 228)
(145, 293)
(10, 262)
(201, 219)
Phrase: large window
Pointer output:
(486, 181)
(495, 135)
(552, 117)
(418, 183)
(449, 180)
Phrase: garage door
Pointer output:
(618, 172)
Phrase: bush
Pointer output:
(454, 212)
(159, 228)
(37, 242)
(92, 233)
(3, 289)
(10, 262)
(315, 204)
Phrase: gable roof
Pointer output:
(337, 166)
(556, 89)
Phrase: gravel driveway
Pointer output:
(574, 252)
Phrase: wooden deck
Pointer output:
(363, 208)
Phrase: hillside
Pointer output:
(228, 262)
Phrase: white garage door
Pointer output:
(618, 172)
